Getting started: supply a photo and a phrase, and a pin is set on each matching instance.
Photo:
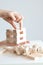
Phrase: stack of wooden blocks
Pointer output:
(16, 36)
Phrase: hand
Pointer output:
(11, 17)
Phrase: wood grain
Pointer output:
(10, 44)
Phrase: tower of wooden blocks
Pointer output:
(19, 35)
(16, 36)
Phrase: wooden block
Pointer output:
(32, 57)
(21, 38)
(40, 50)
(14, 36)
(9, 33)
(18, 36)
(21, 32)
(19, 50)
(21, 24)
(9, 36)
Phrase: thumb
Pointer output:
(12, 16)
(14, 19)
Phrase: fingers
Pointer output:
(15, 16)
(18, 17)
(12, 16)
(14, 26)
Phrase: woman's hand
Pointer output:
(10, 17)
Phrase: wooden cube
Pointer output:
(9, 36)
(16, 36)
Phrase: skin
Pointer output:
(11, 17)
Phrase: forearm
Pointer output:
(2, 11)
